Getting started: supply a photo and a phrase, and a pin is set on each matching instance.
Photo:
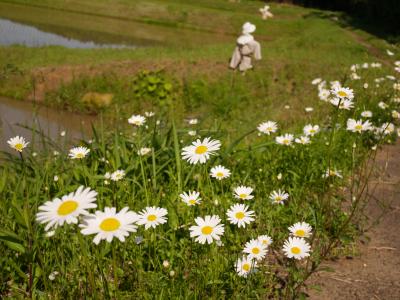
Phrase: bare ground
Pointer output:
(375, 272)
(51, 78)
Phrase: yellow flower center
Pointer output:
(358, 127)
(193, 202)
(67, 207)
(151, 218)
(239, 215)
(220, 174)
(80, 155)
(265, 242)
(110, 224)
(312, 131)
(246, 267)
(19, 147)
(342, 94)
(207, 230)
(255, 250)
(295, 250)
(300, 232)
(278, 198)
(242, 196)
(201, 149)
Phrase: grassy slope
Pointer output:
(298, 45)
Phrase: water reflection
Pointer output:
(15, 33)
(16, 117)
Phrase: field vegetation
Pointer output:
(297, 136)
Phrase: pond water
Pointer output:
(34, 26)
(18, 117)
(12, 33)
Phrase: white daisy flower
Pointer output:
(324, 94)
(149, 114)
(67, 209)
(390, 53)
(144, 151)
(152, 217)
(207, 229)
(220, 172)
(342, 103)
(386, 128)
(191, 198)
(266, 240)
(358, 126)
(396, 86)
(255, 249)
(355, 76)
(301, 229)
(278, 197)
(316, 81)
(382, 105)
(335, 85)
(309, 109)
(53, 275)
(200, 151)
(365, 86)
(107, 175)
(366, 114)
(109, 224)
(311, 130)
(343, 93)
(395, 114)
(332, 173)
(18, 143)
(322, 85)
(243, 192)
(390, 77)
(137, 120)
(268, 127)
(238, 214)
(117, 175)
(193, 121)
(78, 152)
(286, 139)
(303, 140)
(244, 266)
(192, 132)
(297, 248)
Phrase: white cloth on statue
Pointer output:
(246, 48)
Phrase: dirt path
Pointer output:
(375, 272)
